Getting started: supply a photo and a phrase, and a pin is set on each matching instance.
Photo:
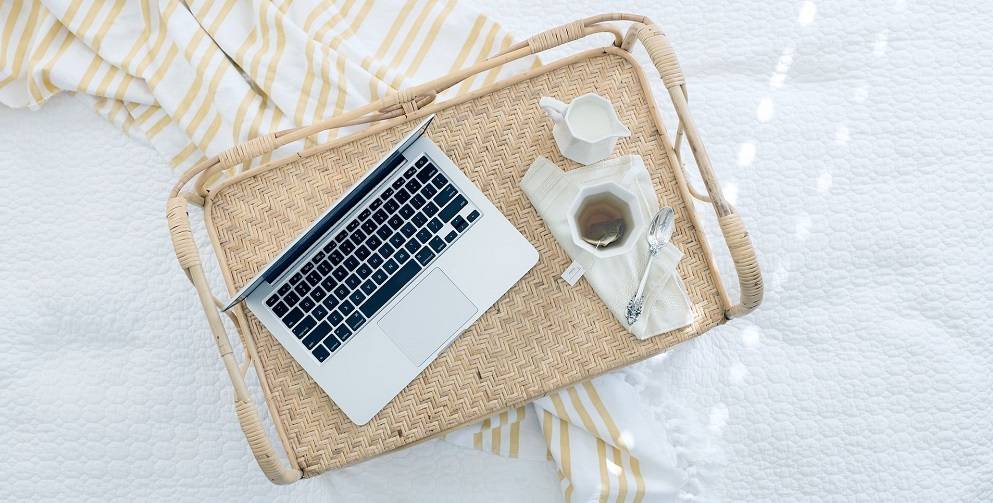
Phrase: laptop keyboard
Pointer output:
(394, 236)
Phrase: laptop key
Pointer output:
(397, 240)
(424, 235)
(375, 261)
(407, 211)
(386, 250)
(451, 236)
(364, 214)
(364, 271)
(410, 172)
(291, 299)
(459, 223)
(341, 292)
(291, 318)
(453, 208)
(347, 247)
(271, 301)
(412, 245)
(401, 255)
(353, 281)
(318, 294)
(430, 209)
(386, 194)
(335, 318)
(396, 221)
(429, 191)
(362, 252)
(285, 288)
(306, 304)
(303, 326)
(376, 204)
(340, 273)
(355, 321)
(354, 224)
(314, 278)
(319, 256)
(368, 287)
(369, 226)
(373, 242)
(412, 185)
(319, 312)
(379, 216)
(437, 244)
(402, 196)
(296, 278)
(392, 206)
(435, 225)
(425, 174)
(422, 161)
(317, 335)
(446, 194)
(346, 307)
(330, 302)
(419, 219)
(342, 332)
(380, 276)
(325, 267)
(358, 237)
(397, 183)
(321, 353)
(473, 216)
(390, 266)
(356, 297)
(439, 181)
(328, 247)
(417, 201)
(331, 343)
(302, 288)
(384, 232)
(390, 288)
(424, 256)
(307, 268)
(336, 257)
(343, 235)
(351, 263)
(280, 309)
(408, 229)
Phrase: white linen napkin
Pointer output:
(614, 279)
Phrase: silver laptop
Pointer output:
(389, 276)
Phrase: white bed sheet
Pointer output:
(854, 138)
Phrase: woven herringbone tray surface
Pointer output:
(541, 336)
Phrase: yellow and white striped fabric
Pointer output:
(606, 444)
(196, 77)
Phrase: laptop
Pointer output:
(378, 286)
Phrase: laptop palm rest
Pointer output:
(430, 314)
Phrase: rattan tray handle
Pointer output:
(408, 102)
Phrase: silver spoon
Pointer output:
(659, 233)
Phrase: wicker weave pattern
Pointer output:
(541, 336)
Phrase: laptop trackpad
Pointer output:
(427, 316)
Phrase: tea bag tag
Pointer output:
(573, 273)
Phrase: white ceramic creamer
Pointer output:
(586, 129)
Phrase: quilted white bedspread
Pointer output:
(853, 136)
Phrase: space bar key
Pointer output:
(390, 288)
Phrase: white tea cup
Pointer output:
(611, 201)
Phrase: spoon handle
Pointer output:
(635, 304)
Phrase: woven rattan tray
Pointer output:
(542, 335)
